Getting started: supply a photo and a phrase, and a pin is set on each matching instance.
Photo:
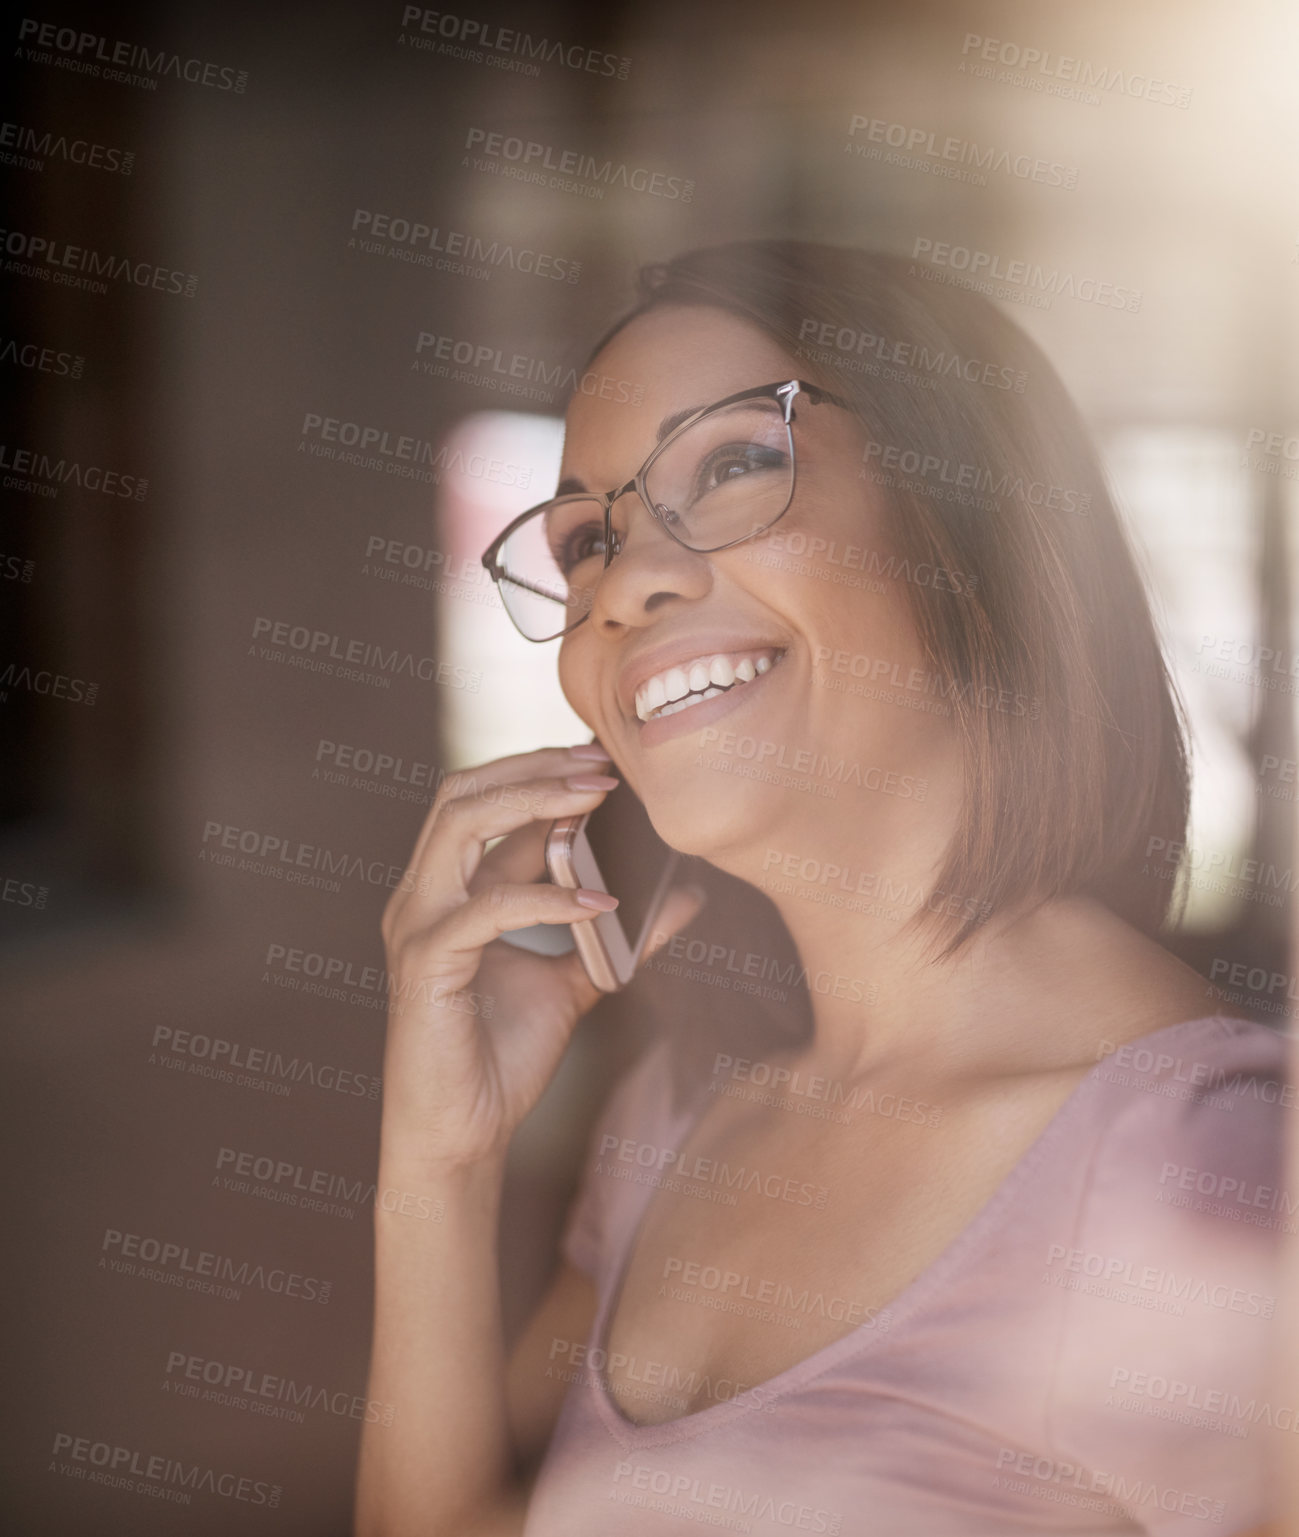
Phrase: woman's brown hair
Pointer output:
(1065, 792)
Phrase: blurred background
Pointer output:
(276, 368)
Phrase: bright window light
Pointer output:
(1188, 503)
(519, 705)
(1192, 513)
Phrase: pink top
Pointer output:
(1090, 1355)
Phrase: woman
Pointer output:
(983, 1292)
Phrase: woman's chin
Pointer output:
(728, 825)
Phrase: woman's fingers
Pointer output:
(490, 777)
(467, 824)
(440, 877)
(519, 856)
(450, 951)
(681, 905)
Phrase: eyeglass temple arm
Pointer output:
(516, 581)
(818, 395)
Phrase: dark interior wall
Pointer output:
(248, 309)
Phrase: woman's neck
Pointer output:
(1030, 991)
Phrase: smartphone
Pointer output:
(615, 849)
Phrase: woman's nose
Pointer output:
(649, 570)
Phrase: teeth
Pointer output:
(678, 688)
(684, 704)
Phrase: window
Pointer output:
(519, 705)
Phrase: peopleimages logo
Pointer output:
(263, 850)
(485, 364)
(266, 1393)
(658, 1381)
(43, 681)
(959, 159)
(371, 447)
(481, 42)
(155, 1475)
(29, 148)
(763, 1290)
(528, 159)
(752, 964)
(1257, 879)
(1039, 67)
(1180, 1397)
(693, 1499)
(898, 460)
(265, 1070)
(73, 266)
(44, 470)
(87, 53)
(41, 360)
(808, 761)
(1232, 1191)
(334, 974)
(853, 343)
(298, 645)
(1021, 273)
(719, 1173)
(175, 1261)
(1258, 979)
(1164, 1071)
(1119, 1271)
(454, 250)
(1127, 1492)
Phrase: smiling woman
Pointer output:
(934, 1267)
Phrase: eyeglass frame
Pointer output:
(785, 392)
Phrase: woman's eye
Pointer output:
(733, 461)
(585, 542)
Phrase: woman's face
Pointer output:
(773, 761)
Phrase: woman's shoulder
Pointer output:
(1197, 1073)
(1228, 1034)
(1199, 1106)
(1168, 1261)
(1183, 1190)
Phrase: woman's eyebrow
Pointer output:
(571, 486)
(670, 423)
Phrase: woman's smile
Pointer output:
(680, 685)
(701, 702)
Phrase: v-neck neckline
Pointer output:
(859, 1340)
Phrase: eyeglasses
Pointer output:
(722, 476)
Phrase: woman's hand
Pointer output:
(476, 1026)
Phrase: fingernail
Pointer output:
(600, 900)
(591, 782)
(589, 750)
